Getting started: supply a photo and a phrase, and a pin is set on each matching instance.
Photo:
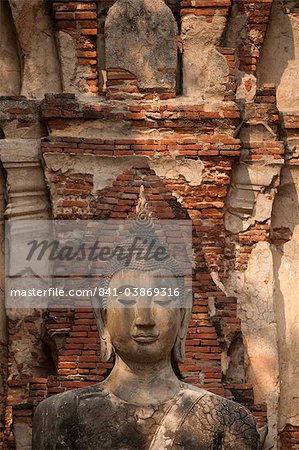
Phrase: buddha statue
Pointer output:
(142, 405)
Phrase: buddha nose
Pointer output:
(144, 317)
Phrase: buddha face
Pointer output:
(143, 317)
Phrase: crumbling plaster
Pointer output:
(10, 67)
(254, 289)
(26, 199)
(235, 35)
(286, 297)
(106, 169)
(267, 290)
(267, 293)
(20, 119)
(73, 75)
(141, 37)
(41, 72)
(279, 61)
(251, 195)
(204, 68)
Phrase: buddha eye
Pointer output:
(163, 301)
(165, 297)
(126, 301)
(125, 295)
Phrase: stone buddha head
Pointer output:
(145, 307)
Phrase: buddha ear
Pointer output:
(107, 350)
(179, 346)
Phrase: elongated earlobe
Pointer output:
(179, 350)
(179, 346)
(107, 350)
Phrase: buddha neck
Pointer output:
(143, 384)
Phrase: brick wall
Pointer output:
(79, 21)
(121, 122)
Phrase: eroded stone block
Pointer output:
(141, 39)
(204, 68)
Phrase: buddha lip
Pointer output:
(145, 337)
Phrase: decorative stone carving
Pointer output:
(27, 192)
(141, 39)
(26, 199)
(142, 404)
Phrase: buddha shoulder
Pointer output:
(70, 399)
(230, 421)
(57, 418)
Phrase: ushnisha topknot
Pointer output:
(141, 235)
